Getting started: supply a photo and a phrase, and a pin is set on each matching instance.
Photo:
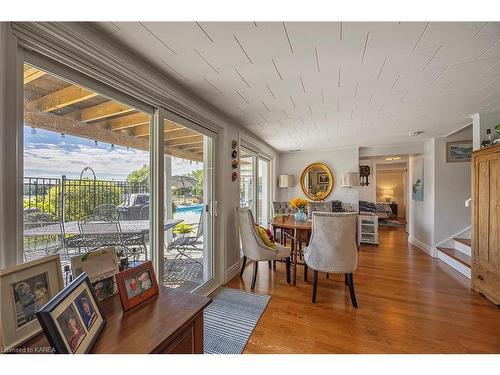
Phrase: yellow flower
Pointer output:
(297, 203)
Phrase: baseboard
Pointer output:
(232, 271)
(423, 246)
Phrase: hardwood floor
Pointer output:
(408, 302)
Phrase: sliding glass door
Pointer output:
(99, 171)
(189, 207)
(255, 185)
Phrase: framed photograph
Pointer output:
(458, 151)
(101, 266)
(24, 289)
(417, 185)
(136, 285)
(72, 320)
(322, 178)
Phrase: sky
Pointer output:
(48, 154)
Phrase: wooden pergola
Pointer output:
(55, 105)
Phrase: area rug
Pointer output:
(390, 223)
(230, 320)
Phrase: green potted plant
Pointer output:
(182, 229)
(497, 130)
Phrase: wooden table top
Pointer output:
(290, 223)
(144, 328)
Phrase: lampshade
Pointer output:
(389, 192)
(286, 180)
(349, 179)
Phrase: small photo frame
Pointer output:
(322, 178)
(136, 285)
(101, 265)
(72, 321)
(24, 289)
(458, 151)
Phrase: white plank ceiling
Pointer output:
(307, 85)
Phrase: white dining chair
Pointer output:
(333, 247)
(254, 248)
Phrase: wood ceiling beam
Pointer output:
(100, 111)
(127, 121)
(61, 98)
(65, 125)
(31, 74)
(143, 130)
(193, 139)
(194, 147)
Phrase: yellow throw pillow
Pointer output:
(265, 238)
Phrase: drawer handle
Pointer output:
(480, 277)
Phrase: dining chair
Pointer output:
(106, 210)
(333, 247)
(254, 248)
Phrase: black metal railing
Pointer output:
(73, 199)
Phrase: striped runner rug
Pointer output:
(230, 320)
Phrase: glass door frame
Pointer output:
(257, 157)
(156, 152)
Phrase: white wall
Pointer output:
(442, 213)
(421, 220)
(339, 161)
(453, 188)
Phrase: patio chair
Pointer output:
(106, 210)
(99, 231)
(187, 244)
(42, 244)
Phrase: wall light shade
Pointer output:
(349, 179)
(286, 180)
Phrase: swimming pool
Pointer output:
(189, 214)
(189, 208)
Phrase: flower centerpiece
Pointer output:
(299, 205)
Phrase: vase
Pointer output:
(300, 215)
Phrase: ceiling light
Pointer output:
(296, 150)
(415, 132)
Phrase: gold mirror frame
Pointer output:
(330, 178)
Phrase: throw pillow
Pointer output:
(265, 238)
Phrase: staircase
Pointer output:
(457, 255)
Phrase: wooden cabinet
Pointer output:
(486, 222)
(170, 323)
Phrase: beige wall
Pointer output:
(394, 180)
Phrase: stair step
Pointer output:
(464, 241)
(457, 255)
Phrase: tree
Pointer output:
(140, 176)
(78, 200)
(198, 187)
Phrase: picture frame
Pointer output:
(72, 320)
(24, 289)
(459, 151)
(322, 178)
(101, 265)
(137, 284)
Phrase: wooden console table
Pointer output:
(171, 323)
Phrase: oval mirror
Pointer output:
(317, 181)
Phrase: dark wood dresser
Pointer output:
(171, 323)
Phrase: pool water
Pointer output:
(189, 214)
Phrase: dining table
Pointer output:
(300, 234)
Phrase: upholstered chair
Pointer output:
(333, 247)
(255, 249)
(318, 207)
